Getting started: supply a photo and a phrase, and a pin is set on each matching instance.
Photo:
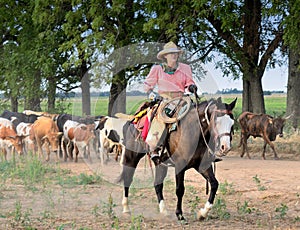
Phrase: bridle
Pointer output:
(208, 121)
(224, 112)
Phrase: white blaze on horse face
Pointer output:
(223, 127)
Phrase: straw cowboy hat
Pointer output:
(170, 47)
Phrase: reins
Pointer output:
(214, 168)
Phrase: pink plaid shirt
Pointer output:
(165, 82)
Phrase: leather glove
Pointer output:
(158, 98)
(193, 88)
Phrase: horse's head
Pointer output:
(221, 125)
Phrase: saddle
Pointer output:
(163, 117)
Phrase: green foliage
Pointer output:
(20, 217)
(226, 188)
(219, 209)
(136, 222)
(281, 210)
(81, 179)
(107, 208)
(55, 43)
(244, 208)
(258, 183)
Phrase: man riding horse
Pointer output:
(172, 78)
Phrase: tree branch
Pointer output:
(224, 34)
(269, 52)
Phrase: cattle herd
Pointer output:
(68, 135)
(64, 134)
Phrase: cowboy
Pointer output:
(172, 79)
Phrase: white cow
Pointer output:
(111, 128)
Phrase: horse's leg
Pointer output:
(160, 175)
(214, 184)
(179, 193)
(131, 160)
(127, 175)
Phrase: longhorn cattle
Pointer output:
(61, 120)
(80, 135)
(45, 132)
(23, 129)
(9, 140)
(260, 125)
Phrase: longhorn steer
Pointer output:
(260, 125)
(45, 132)
(23, 129)
(61, 119)
(80, 135)
(9, 138)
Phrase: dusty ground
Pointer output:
(253, 194)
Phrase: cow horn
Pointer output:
(59, 134)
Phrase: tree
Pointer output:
(292, 38)
(118, 24)
(248, 33)
(19, 54)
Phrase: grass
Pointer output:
(275, 104)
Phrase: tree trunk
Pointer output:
(86, 95)
(14, 104)
(33, 95)
(117, 97)
(246, 104)
(253, 98)
(293, 92)
(51, 94)
(257, 95)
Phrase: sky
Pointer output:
(274, 79)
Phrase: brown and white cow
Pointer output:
(9, 140)
(80, 135)
(45, 133)
(260, 125)
(23, 129)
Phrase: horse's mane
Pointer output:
(203, 104)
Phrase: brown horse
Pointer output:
(204, 133)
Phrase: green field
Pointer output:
(275, 104)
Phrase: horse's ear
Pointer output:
(219, 102)
(232, 104)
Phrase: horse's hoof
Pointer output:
(126, 212)
(182, 220)
(180, 217)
